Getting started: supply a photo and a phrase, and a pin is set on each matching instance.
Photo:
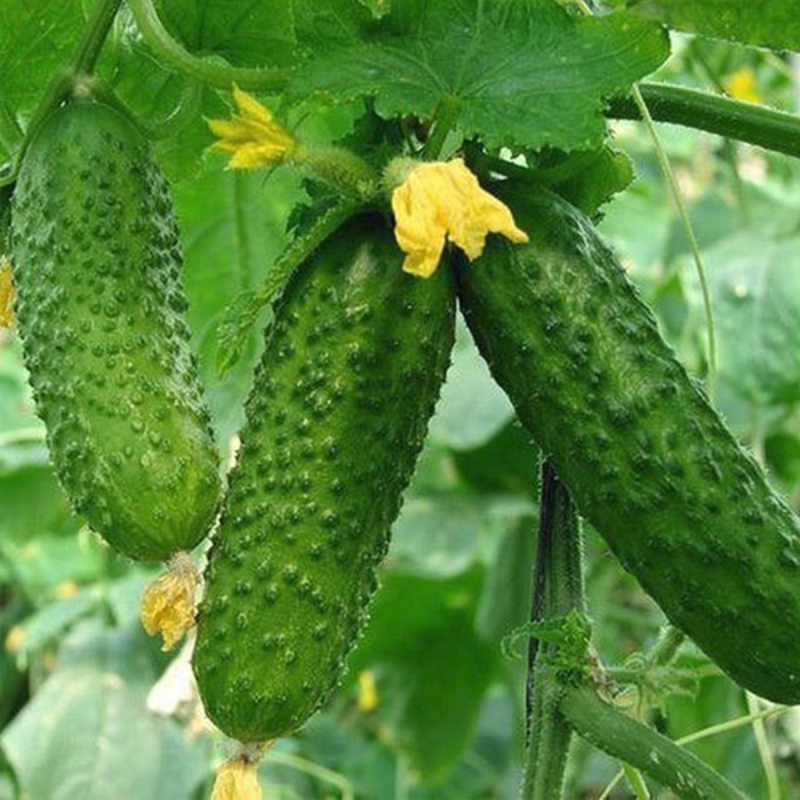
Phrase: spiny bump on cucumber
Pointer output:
(100, 306)
(336, 418)
(646, 458)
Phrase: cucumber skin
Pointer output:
(335, 420)
(100, 309)
(648, 461)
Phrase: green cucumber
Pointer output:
(100, 309)
(647, 459)
(337, 415)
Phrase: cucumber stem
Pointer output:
(558, 590)
(666, 762)
(220, 76)
(764, 127)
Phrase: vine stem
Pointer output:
(558, 590)
(755, 124)
(705, 733)
(677, 198)
(617, 734)
(219, 76)
(445, 119)
(762, 742)
(82, 62)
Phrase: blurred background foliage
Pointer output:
(433, 706)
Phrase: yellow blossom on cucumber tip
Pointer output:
(167, 606)
(237, 779)
(6, 295)
(252, 137)
(441, 201)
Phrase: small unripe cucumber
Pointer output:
(335, 420)
(100, 309)
(648, 461)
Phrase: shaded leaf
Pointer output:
(772, 23)
(87, 734)
(243, 32)
(522, 72)
(433, 669)
(472, 407)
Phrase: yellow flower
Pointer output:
(743, 86)
(167, 606)
(252, 137)
(367, 692)
(441, 200)
(237, 779)
(6, 294)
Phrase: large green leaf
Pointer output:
(433, 669)
(771, 23)
(521, 72)
(244, 32)
(756, 290)
(472, 408)
(233, 228)
(36, 37)
(87, 734)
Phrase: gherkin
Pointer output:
(646, 458)
(101, 313)
(336, 418)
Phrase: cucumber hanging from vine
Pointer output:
(646, 458)
(335, 420)
(101, 313)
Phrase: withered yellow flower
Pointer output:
(6, 295)
(742, 85)
(167, 606)
(440, 201)
(237, 779)
(252, 137)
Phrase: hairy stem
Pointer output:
(558, 590)
(220, 76)
(714, 113)
(666, 762)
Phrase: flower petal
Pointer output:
(253, 137)
(445, 200)
(6, 295)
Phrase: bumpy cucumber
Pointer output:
(646, 458)
(100, 308)
(335, 420)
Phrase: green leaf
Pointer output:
(756, 292)
(243, 32)
(770, 23)
(88, 735)
(46, 626)
(608, 173)
(507, 463)
(36, 37)
(12, 679)
(472, 408)
(506, 601)
(33, 503)
(324, 24)
(8, 777)
(233, 229)
(523, 73)
(442, 535)
(433, 669)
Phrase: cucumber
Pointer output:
(100, 309)
(647, 459)
(337, 415)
